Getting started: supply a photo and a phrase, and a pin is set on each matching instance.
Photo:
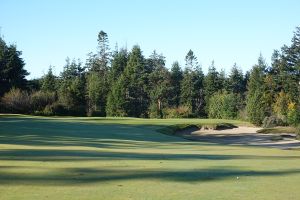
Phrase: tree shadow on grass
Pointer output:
(89, 155)
(73, 176)
(52, 132)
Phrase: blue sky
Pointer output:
(224, 31)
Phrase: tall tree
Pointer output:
(135, 79)
(256, 105)
(176, 78)
(12, 72)
(192, 94)
(158, 85)
(116, 96)
(98, 76)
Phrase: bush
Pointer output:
(16, 101)
(272, 121)
(223, 105)
(55, 109)
(180, 112)
(40, 99)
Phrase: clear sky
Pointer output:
(224, 31)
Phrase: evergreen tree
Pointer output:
(118, 65)
(134, 80)
(116, 100)
(98, 77)
(72, 87)
(256, 104)
(49, 81)
(158, 85)
(176, 78)
(192, 95)
(235, 81)
(116, 96)
(212, 83)
(12, 72)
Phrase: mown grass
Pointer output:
(126, 158)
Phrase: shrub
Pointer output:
(40, 99)
(272, 121)
(223, 105)
(16, 101)
(180, 112)
(55, 109)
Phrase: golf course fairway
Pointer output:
(127, 158)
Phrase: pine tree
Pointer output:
(256, 104)
(98, 77)
(158, 85)
(116, 95)
(135, 79)
(212, 83)
(235, 81)
(49, 81)
(192, 95)
(176, 78)
(12, 72)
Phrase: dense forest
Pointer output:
(123, 82)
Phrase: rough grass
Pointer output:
(126, 158)
(277, 130)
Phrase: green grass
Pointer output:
(126, 158)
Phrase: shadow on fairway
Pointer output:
(71, 176)
(43, 155)
(35, 131)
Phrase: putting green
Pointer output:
(126, 158)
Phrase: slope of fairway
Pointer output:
(126, 158)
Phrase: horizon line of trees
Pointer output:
(125, 83)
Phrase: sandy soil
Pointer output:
(242, 136)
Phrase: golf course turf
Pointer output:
(127, 158)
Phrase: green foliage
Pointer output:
(236, 82)
(256, 108)
(97, 91)
(71, 92)
(256, 105)
(192, 93)
(49, 82)
(12, 72)
(280, 105)
(176, 78)
(135, 77)
(116, 100)
(223, 105)
(178, 112)
(159, 88)
(54, 109)
(40, 99)
(293, 114)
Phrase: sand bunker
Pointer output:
(242, 136)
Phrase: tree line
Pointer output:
(125, 83)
